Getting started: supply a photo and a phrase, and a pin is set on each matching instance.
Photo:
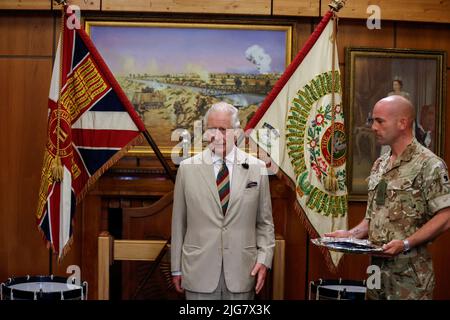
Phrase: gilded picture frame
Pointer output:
(374, 73)
(172, 72)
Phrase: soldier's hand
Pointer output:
(339, 234)
(393, 248)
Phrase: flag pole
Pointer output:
(57, 167)
(50, 261)
(147, 135)
(159, 155)
(331, 180)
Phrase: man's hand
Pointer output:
(393, 248)
(176, 280)
(260, 271)
(339, 234)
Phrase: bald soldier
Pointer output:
(408, 205)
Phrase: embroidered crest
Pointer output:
(309, 143)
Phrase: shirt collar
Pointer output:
(229, 158)
(406, 156)
(409, 151)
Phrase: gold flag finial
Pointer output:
(336, 5)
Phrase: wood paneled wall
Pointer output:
(191, 6)
(400, 10)
(25, 70)
(27, 41)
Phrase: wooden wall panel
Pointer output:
(296, 253)
(278, 191)
(401, 10)
(447, 119)
(90, 221)
(26, 4)
(191, 6)
(24, 85)
(439, 252)
(296, 8)
(355, 34)
(300, 34)
(83, 4)
(427, 37)
(25, 34)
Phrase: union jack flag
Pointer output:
(91, 123)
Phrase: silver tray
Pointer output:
(347, 245)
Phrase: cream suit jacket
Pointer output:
(203, 238)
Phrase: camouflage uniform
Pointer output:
(417, 186)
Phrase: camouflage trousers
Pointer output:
(406, 277)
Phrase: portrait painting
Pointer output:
(373, 74)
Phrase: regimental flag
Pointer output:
(91, 124)
(311, 149)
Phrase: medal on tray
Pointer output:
(347, 245)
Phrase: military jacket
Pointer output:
(405, 195)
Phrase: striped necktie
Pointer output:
(223, 185)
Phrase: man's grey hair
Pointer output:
(224, 107)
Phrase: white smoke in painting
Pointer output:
(128, 64)
(258, 56)
(152, 67)
(199, 70)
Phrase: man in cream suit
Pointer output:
(222, 226)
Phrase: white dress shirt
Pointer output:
(229, 161)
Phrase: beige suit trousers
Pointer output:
(221, 293)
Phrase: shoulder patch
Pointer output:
(444, 177)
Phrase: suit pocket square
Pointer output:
(251, 184)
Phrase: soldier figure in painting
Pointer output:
(408, 205)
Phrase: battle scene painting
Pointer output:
(172, 73)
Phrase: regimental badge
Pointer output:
(444, 177)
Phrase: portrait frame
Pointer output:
(158, 106)
(374, 73)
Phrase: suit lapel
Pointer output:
(207, 173)
(240, 175)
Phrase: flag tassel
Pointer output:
(331, 180)
(57, 169)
